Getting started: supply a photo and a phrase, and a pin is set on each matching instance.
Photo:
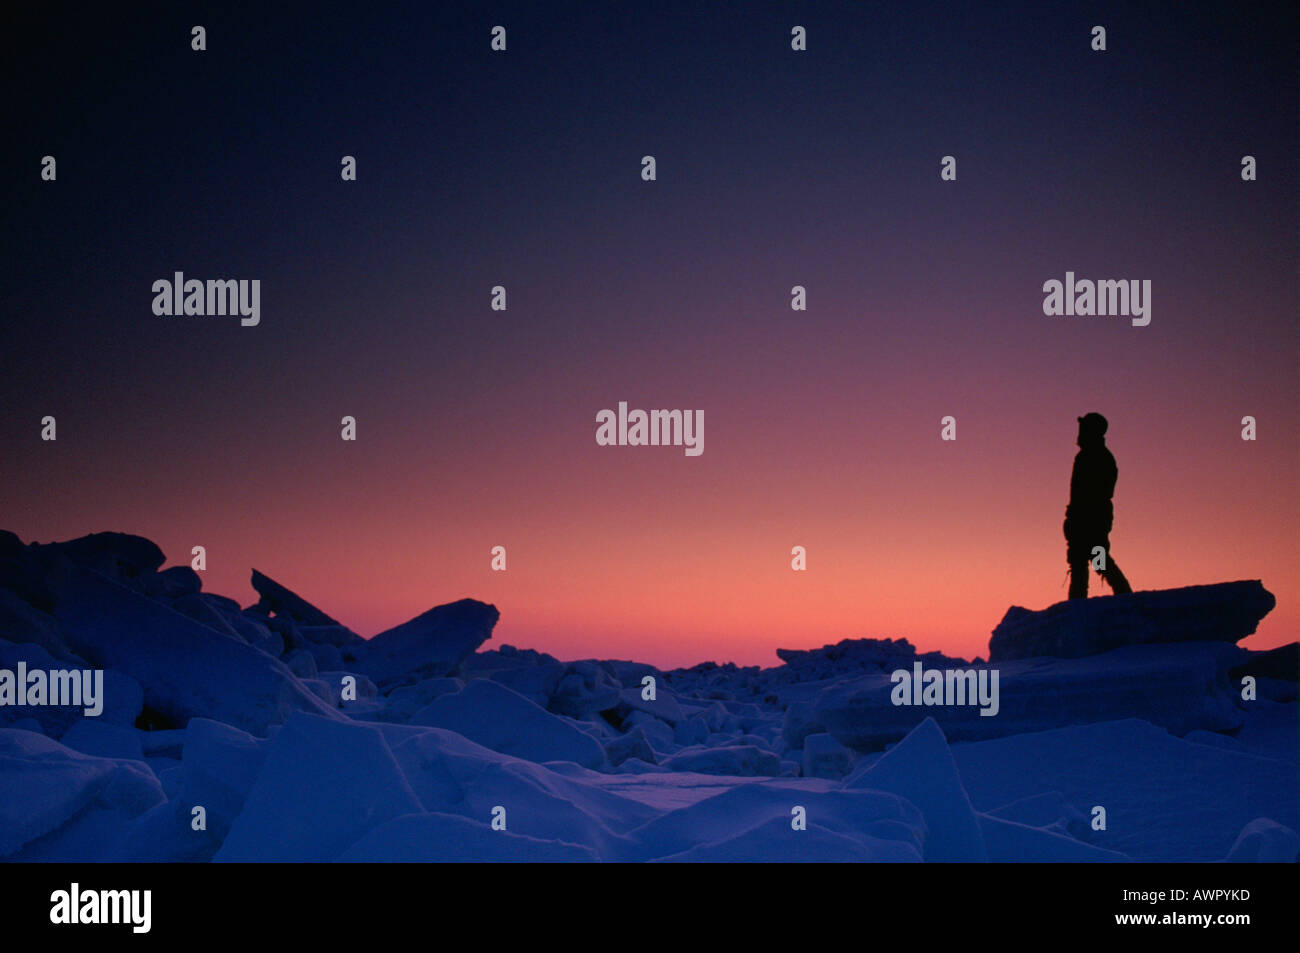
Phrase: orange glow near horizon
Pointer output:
(641, 553)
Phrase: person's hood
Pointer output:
(1092, 429)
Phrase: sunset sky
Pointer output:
(775, 168)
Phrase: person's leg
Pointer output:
(1114, 578)
(1079, 579)
(1076, 554)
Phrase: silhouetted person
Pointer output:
(1089, 514)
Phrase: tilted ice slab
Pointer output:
(503, 720)
(350, 791)
(1165, 799)
(59, 804)
(756, 822)
(186, 669)
(920, 768)
(121, 697)
(276, 599)
(430, 645)
(1180, 687)
(1224, 612)
(323, 785)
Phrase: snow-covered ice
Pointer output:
(1136, 740)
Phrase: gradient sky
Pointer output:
(477, 428)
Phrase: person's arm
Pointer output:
(1076, 483)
